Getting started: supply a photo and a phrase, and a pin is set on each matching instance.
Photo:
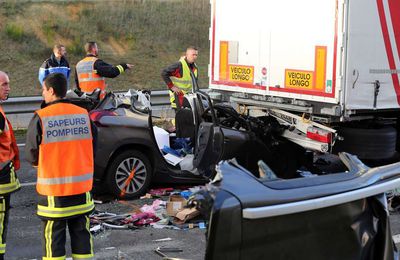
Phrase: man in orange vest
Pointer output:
(9, 163)
(90, 73)
(59, 143)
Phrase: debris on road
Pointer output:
(162, 239)
(162, 250)
(186, 215)
(164, 212)
(174, 204)
(95, 228)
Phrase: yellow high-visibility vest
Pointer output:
(185, 83)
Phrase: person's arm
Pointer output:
(77, 81)
(69, 71)
(174, 70)
(33, 140)
(43, 72)
(15, 160)
(2, 123)
(109, 71)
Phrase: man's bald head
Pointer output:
(191, 54)
(4, 86)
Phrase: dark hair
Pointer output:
(89, 46)
(58, 82)
(58, 47)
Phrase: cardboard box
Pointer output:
(174, 204)
(187, 214)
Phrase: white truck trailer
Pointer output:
(330, 68)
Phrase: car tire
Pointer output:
(121, 182)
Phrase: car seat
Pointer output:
(184, 121)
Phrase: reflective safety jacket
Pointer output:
(51, 65)
(65, 164)
(9, 158)
(184, 83)
(88, 78)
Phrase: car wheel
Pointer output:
(129, 174)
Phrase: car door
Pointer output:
(237, 134)
(209, 137)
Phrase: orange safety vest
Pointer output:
(8, 145)
(88, 78)
(8, 158)
(65, 164)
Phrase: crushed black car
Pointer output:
(335, 216)
(128, 158)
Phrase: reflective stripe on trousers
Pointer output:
(54, 237)
(51, 211)
(4, 215)
(13, 185)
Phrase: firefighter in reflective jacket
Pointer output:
(9, 162)
(59, 142)
(180, 75)
(90, 73)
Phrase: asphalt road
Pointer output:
(24, 232)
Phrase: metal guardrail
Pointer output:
(26, 105)
(20, 110)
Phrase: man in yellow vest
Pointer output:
(180, 75)
(9, 163)
(59, 142)
(90, 73)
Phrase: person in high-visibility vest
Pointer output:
(9, 163)
(180, 75)
(90, 72)
(60, 143)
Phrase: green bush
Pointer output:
(48, 29)
(76, 47)
(15, 32)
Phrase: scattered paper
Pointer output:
(172, 159)
(95, 228)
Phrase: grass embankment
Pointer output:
(151, 34)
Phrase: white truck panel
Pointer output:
(367, 57)
(329, 51)
(277, 36)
